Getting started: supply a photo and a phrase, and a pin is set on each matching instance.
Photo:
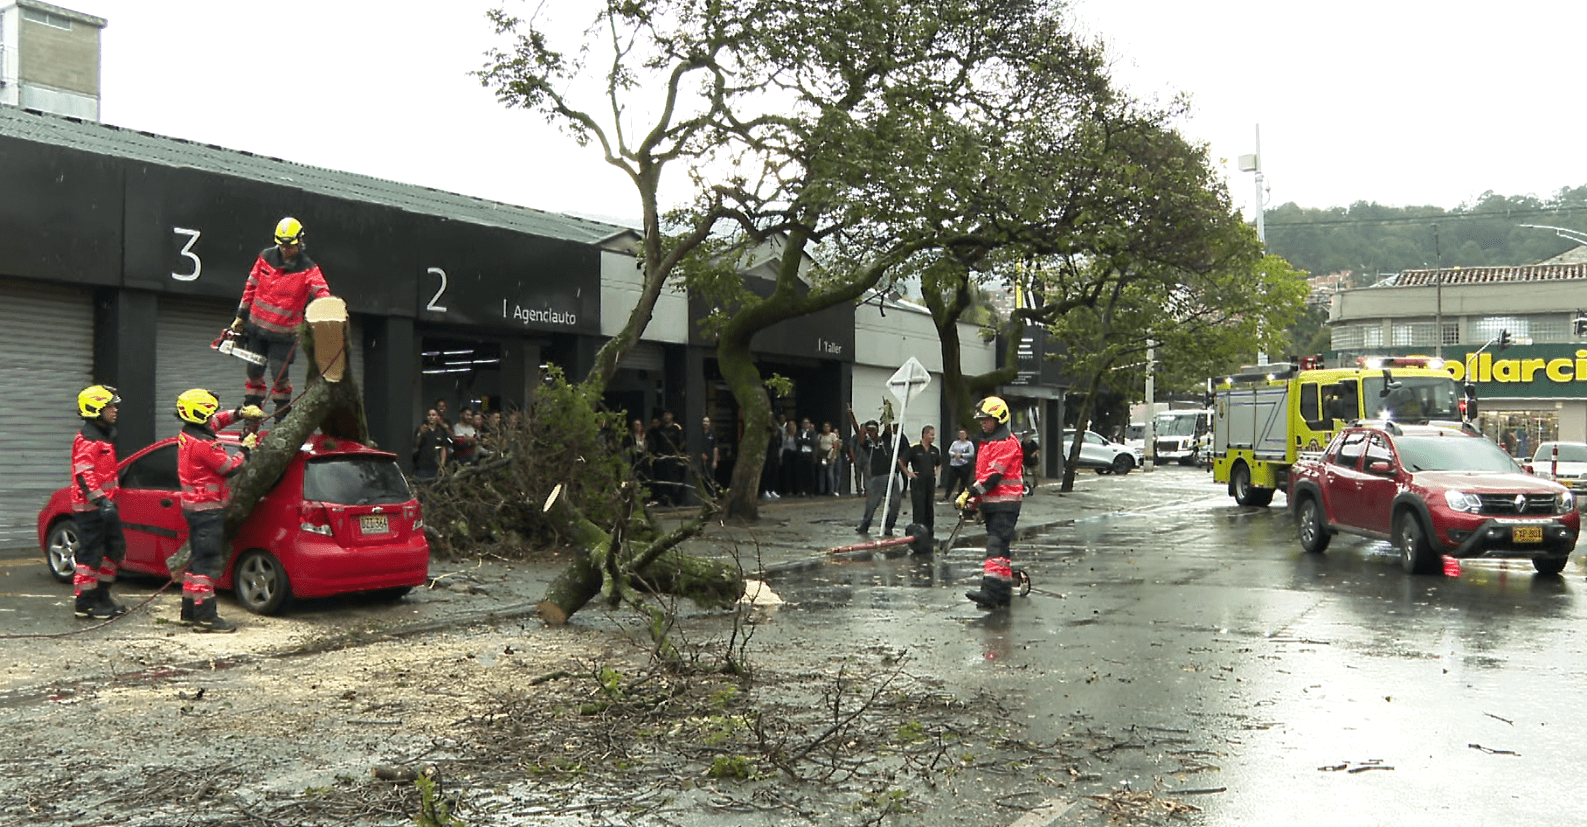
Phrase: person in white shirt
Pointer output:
(961, 462)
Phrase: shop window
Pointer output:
(1550, 329)
(1488, 327)
(1372, 336)
(1451, 333)
(1346, 337)
(1412, 334)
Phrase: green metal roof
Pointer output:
(102, 139)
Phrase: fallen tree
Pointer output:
(552, 475)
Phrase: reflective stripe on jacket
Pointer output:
(277, 291)
(203, 465)
(1002, 456)
(93, 466)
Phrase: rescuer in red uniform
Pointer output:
(203, 465)
(100, 544)
(998, 490)
(282, 282)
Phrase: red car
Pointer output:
(341, 519)
(1432, 490)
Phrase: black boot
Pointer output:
(186, 618)
(206, 618)
(86, 604)
(281, 407)
(250, 399)
(995, 593)
(109, 606)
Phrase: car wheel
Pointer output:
(260, 582)
(60, 550)
(1122, 464)
(1550, 565)
(1244, 492)
(1314, 534)
(1106, 470)
(1416, 554)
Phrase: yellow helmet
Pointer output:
(91, 401)
(993, 407)
(289, 231)
(196, 406)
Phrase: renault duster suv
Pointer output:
(1431, 490)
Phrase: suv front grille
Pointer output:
(1505, 504)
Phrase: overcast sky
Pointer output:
(1396, 101)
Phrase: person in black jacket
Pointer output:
(921, 466)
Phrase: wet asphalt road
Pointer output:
(1262, 685)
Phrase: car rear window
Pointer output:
(1453, 453)
(354, 480)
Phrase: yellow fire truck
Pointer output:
(1266, 416)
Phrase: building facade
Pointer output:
(1530, 392)
(49, 58)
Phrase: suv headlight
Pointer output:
(1565, 503)
(1462, 501)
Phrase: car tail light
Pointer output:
(314, 519)
(415, 518)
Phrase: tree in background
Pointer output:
(1373, 241)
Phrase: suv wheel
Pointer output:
(1550, 565)
(1416, 554)
(1122, 464)
(1314, 534)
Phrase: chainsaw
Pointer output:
(236, 344)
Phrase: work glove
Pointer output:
(963, 502)
(251, 412)
(107, 509)
(236, 325)
(249, 441)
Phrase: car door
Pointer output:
(1094, 451)
(1378, 485)
(151, 509)
(1342, 480)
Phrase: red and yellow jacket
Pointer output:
(203, 465)
(277, 291)
(1004, 459)
(93, 466)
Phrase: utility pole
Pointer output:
(1438, 286)
(1253, 163)
(1151, 409)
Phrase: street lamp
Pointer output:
(1253, 163)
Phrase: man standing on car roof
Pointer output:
(998, 490)
(203, 466)
(100, 544)
(282, 282)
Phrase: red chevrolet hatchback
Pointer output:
(341, 519)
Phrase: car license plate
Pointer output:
(378, 524)
(1527, 534)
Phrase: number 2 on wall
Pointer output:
(440, 308)
(187, 252)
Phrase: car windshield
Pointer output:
(1415, 397)
(1568, 452)
(355, 480)
(1453, 453)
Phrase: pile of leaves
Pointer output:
(495, 506)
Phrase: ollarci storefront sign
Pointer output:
(1544, 371)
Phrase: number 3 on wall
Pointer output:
(439, 308)
(187, 253)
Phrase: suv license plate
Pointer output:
(377, 524)
(1521, 533)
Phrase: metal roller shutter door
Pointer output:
(46, 332)
(186, 360)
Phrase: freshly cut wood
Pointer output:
(327, 320)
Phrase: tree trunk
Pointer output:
(710, 583)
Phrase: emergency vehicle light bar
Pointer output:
(1376, 362)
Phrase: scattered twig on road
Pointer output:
(1492, 751)
(1497, 718)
